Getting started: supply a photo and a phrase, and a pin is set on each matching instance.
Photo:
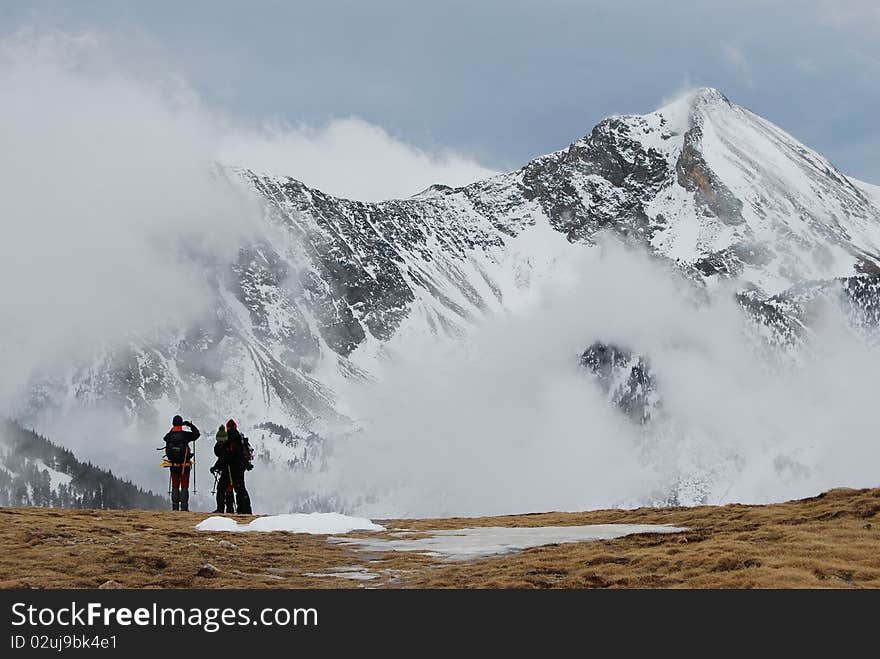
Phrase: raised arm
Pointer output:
(193, 430)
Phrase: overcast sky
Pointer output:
(499, 82)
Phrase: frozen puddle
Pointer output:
(465, 544)
(313, 523)
(358, 573)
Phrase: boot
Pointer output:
(184, 500)
(221, 500)
(244, 503)
(175, 498)
(230, 503)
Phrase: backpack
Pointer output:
(247, 453)
(175, 453)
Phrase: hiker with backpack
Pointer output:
(234, 458)
(179, 457)
(225, 496)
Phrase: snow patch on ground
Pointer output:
(466, 544)
(313, 523)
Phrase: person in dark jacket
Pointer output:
(225, 496)
(178, 453)
(234, 459)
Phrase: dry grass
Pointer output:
(828, 541)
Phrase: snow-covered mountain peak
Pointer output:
(706, 98)
(682, 110)
(676, 116)
(715, 187)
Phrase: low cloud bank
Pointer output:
(507, 421)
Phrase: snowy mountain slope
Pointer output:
(872, 192)
(701, 184)
(685, 181)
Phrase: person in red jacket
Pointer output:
(178, 453)
(234, 459)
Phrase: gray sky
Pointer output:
(502, 82)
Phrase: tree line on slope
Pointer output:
(26, 481)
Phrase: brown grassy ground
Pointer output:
(828, 541)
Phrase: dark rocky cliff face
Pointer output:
(694, 174)
(626, 379)
(599, 182)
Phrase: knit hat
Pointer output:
(221, 434)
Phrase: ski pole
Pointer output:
(195, 487)
(183, 466)
(231, 486)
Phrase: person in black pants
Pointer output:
(225, 497)
(234, 459)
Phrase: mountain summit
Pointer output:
(713, 187)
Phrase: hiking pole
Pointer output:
(183, 465)
(214, 489)
(195, 487)
(228, 487)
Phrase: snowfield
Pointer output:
(313, 524)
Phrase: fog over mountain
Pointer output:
(679, 307)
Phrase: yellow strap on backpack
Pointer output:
(166, 463)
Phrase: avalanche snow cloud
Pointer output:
(110, 211)
(506, 421)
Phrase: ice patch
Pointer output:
(313, 523)
(357, 573)
(466, 544)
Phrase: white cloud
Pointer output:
(508, 422)
(350, 158)
(109, 208)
